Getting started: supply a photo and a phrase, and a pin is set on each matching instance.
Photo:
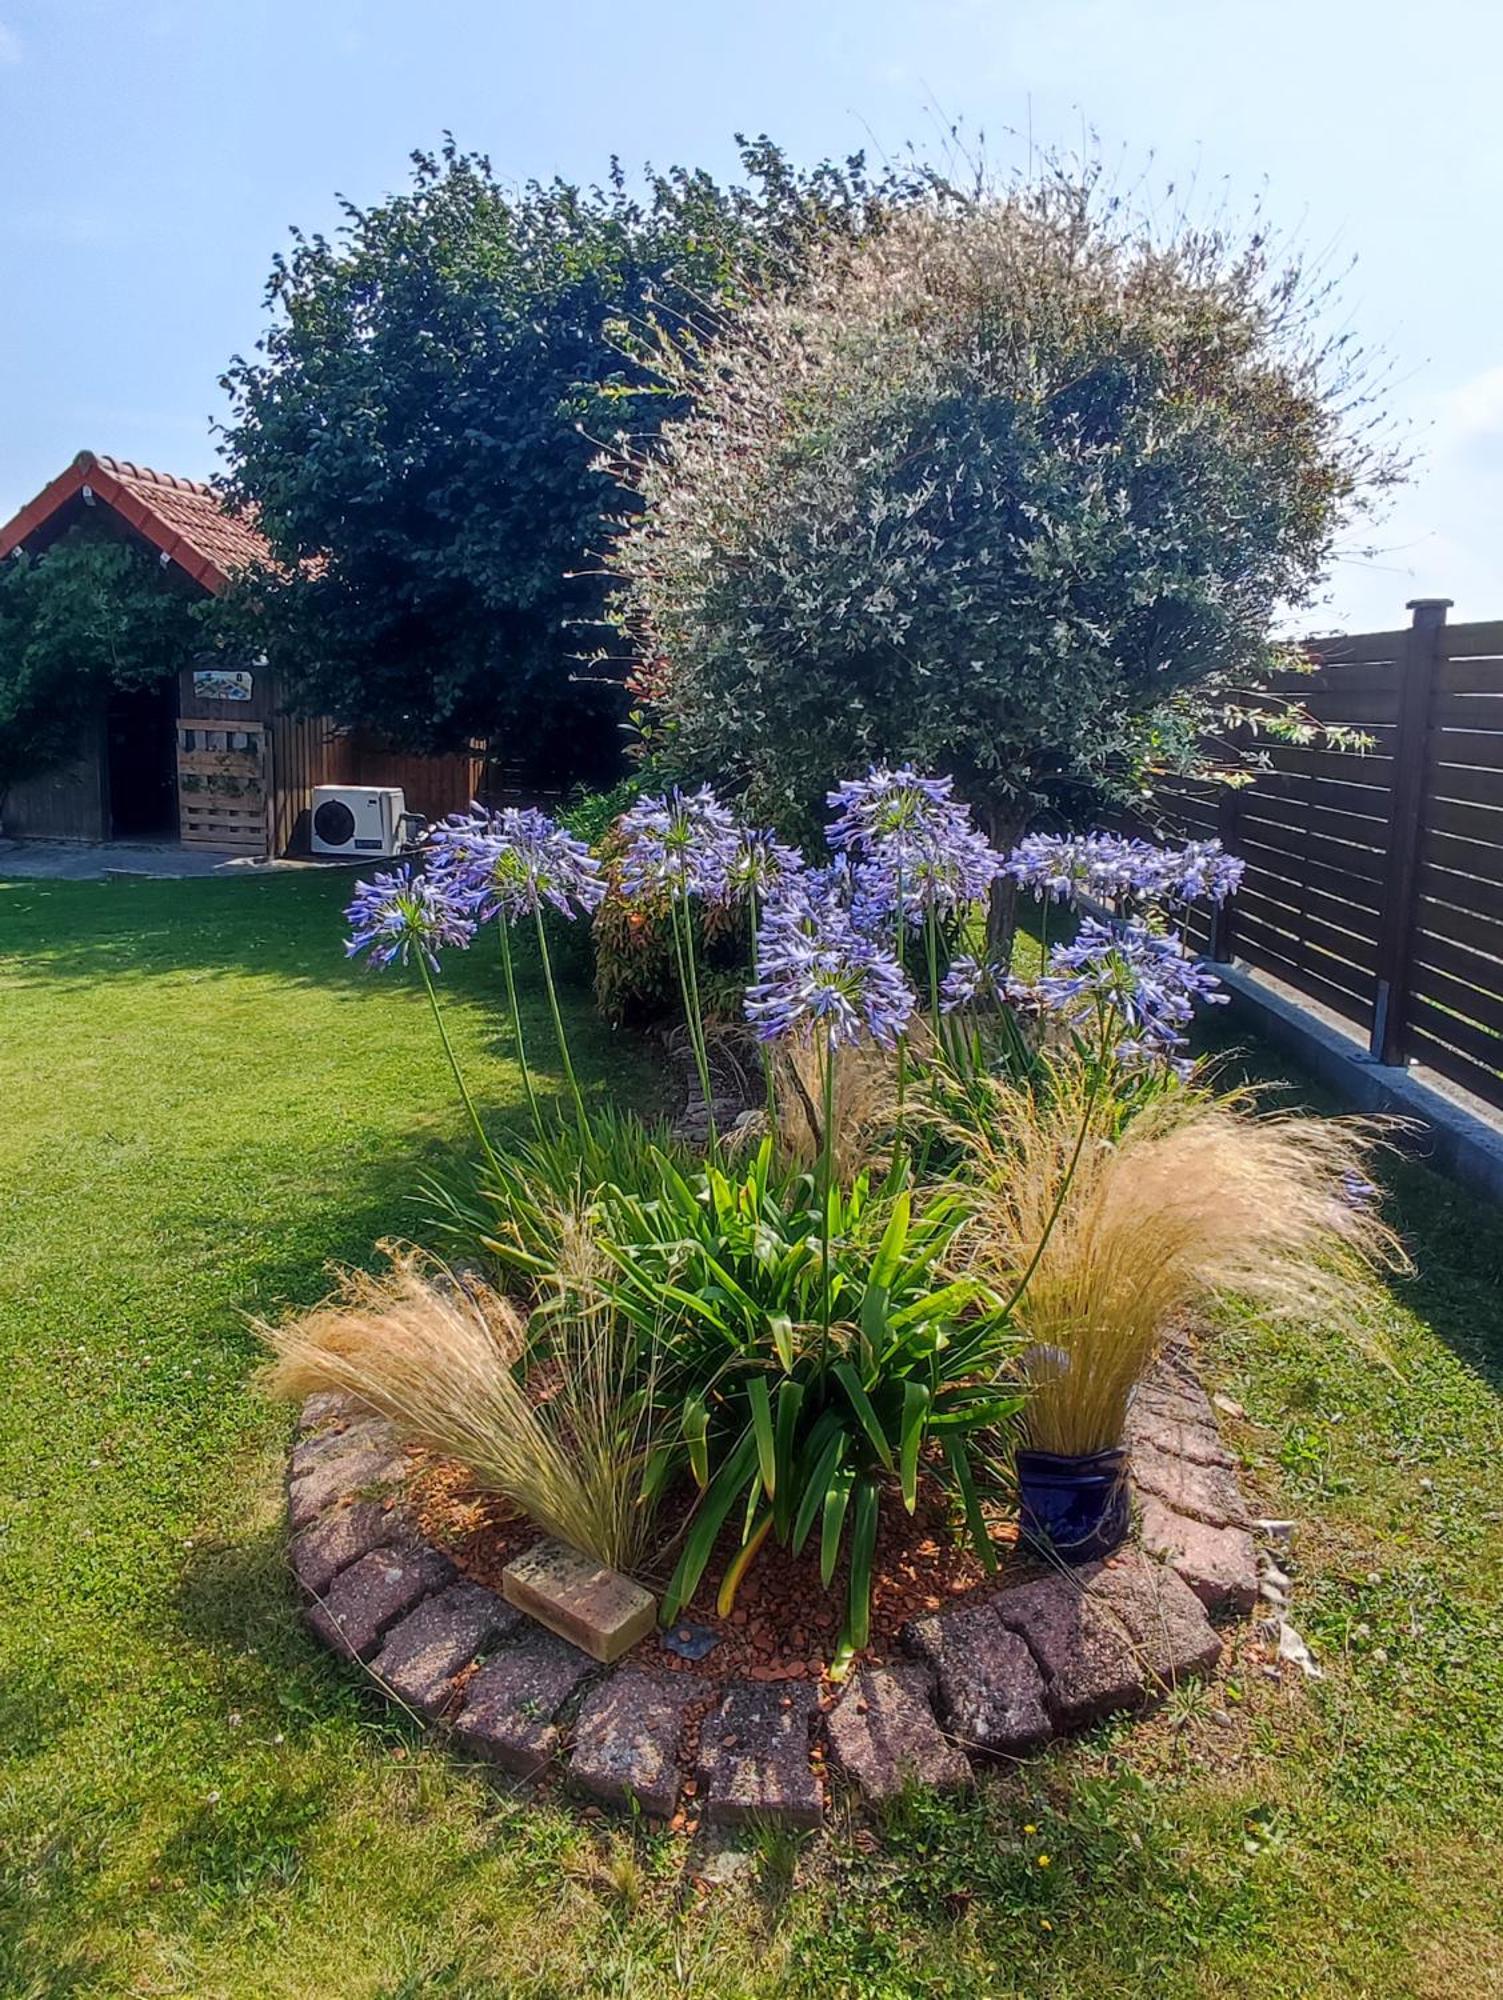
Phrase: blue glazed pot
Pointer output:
(1076, 1508)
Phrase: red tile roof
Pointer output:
(185, 520)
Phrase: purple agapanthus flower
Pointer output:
(513, 863)
(888, 807)
(679, 845)
(761, 862)
(1142, 980)
(1203, 872)
(970, 982)
(816, 969)
(392, 916)
(1107, 867)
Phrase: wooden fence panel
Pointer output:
(1374, 877)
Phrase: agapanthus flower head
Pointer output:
(859, 890)
(761, 862)
(514, 862)
(816, 970)
(1108, 867)
(393, 916)
(952, 869)
(1203, 872)
(678, 845)
(1140, 980)
(972, 982)
(888, 807)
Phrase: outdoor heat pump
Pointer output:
(354, 819)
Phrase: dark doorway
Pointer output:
(142, 731)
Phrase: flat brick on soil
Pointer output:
(426, 1649)
(1203, 1492)
(754, 1756)
(373, 1594)
(1089, 1665)
(345, 1472)
(883, 1736)
(990, 1692)
(341, 1537)
(591, 1606)
(311, 1452)
(1219, 1564)
(627, 1737)
(1163, 1617)
(510, 1705)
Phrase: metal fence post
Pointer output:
(1424, 652)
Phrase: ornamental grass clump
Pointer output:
(563, 1428)
(1196, 1198)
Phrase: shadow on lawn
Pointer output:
(287, 927)
(1454, 1237)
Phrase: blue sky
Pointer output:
(155, 151)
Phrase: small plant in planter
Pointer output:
(1110, 1232)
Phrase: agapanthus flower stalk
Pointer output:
(404, 918)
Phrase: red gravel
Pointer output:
(784, 1625)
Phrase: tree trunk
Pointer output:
(1004, 829)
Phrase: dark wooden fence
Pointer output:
(1375, 879)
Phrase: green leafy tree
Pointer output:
(91, 613)
(415, 433)
(1015, 489)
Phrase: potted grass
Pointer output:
(1124, 1227)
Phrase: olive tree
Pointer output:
(1015, 489)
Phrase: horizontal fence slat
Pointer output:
(1477, 747)
(1472, 1076)
(1467, 711)
(1472, 858)
(1471, 928)
(1269, 868)
(1339, 681)
(1334, 938)
(1461, 781)
(1327, 794)
(1478, 1043)
(1470, 677)
(1254, 935)
(1470, 1003)
(1337, 998)
(1365, 864)
(1477, 823)
(1466, 642)
(1337, 648)
(1364, 829)
(1355, 710)
(1357, 767)
(1463, 892)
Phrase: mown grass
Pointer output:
(200, 1106)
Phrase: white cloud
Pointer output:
(10, 47)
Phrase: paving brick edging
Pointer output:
(986, 1680)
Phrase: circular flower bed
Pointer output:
(719, 1719)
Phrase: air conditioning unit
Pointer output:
(351, 820)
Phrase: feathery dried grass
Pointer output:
(866, 1104)
(1198, 1198)
(444, 1362)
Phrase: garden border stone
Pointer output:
(995, 1677)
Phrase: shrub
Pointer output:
(451, 1366)
(1015, 488)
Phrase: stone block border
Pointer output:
(993, 1678)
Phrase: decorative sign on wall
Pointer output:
(214, 685)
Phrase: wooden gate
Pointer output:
(224, 784)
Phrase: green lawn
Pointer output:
(201, 1104)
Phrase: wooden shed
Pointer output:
(208, 756)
